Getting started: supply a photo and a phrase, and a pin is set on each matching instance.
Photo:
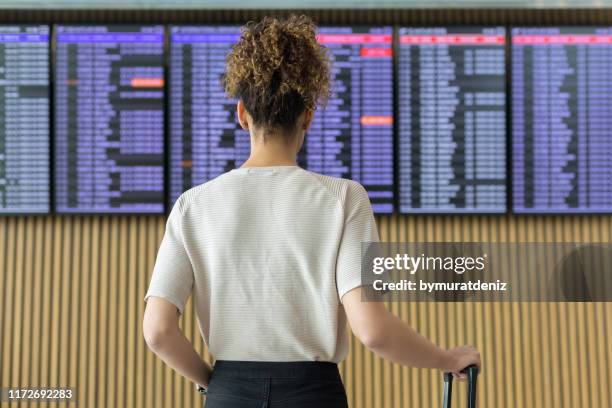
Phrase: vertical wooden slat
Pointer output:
(93, 300)
(54, 335)
(602, 375)
(347, 370)
(144, 375)
(123, 311)
(8, 300)
(27, 305)
(590, 343)
(607, 355)
(112, 271)
(359, 369)
(103, 341)
(74, 275)
(133, 318)
(36, 287)
(566, 373)
(161, 390)
(44, 278)
(85, 248)
(64, 312)
(368, 384)
(18, 301)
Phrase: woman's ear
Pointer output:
(242, 115)
(308, 116)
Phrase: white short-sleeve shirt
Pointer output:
(267, 253)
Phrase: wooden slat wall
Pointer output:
(71, 304)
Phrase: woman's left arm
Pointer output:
(164, 337)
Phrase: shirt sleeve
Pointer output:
(172, 277)
(359, 226)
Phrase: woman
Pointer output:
(271, 252)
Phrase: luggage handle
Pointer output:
(472, 373)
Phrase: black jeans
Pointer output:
(248, 384)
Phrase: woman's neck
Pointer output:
(257, 162)
(272, 152)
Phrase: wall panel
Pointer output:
(71, 305)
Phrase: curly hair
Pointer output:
(278, 70)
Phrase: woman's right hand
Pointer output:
(462, 357)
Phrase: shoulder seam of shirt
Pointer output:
(340, 200)
(187, 197)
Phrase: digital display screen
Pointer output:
(206, 139)
(351, 138)
(562, 120)
(24, 119)
(452, 120)
(109, 119)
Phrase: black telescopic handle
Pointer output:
(448, 390)
(472, 373)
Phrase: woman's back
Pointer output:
(272, 250)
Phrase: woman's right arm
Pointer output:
(394, 340)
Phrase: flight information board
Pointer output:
(205, 136)
(352, 137)
(562, 119)
(109, 119)
(24, 119)
(452, 120)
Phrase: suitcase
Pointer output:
(472, 374)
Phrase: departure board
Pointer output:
(24, 119)
(352, 137)
(206, 139)
(452, 120)
(562, 120)
(109, 119)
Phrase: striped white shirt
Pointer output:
(267, 253)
